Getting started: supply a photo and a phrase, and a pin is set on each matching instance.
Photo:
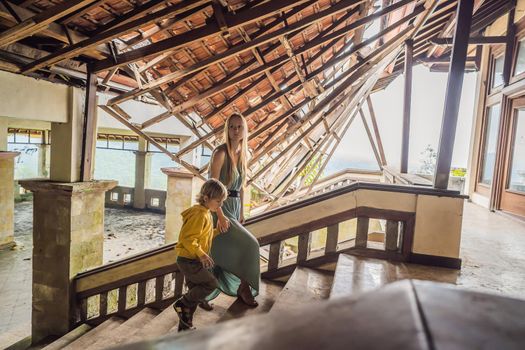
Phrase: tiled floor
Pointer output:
(493, 253)
(15, 292)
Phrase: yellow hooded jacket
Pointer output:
(196, 234)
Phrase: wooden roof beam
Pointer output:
(476, 40)
(233, 74)
(341, 6)
(355, 72)
(182, 10)
(254, 83)
(386, 51)
(40, 21)
(277, 63)
(233, 21)
(53, 30)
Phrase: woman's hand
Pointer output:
(206, 261)
(241, 218)
(223, 223)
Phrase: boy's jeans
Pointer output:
(200, 282)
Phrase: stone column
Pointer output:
(183, 186)
(3, 134)
(142, 174)
(68, 227)
(43, 160)
(7, 199)
(66, 146)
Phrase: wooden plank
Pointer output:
(332, 237)
(103, 304)
(122, 298)
(83, 309)
(376, 130)
(453, 94)
(240, 48)
(90, 126)
(305, 287)
(159, 288)
(357, 275)
(275, 255)
(211, 29)
(181, 10)
(391, 235)
(303, 247)
(509, 48)
(40, 21)
(476, 40)
(371, 139)
(361, 237)
(407, 102)
(141, 293)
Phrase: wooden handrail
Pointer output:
(419, 190)
(158, 264)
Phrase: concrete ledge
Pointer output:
(36, 185)
(178, 172)
(8, 155)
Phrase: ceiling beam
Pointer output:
(40, 21)
(211, 29)
(181, 10)
(476, 40)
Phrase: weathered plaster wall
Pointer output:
(28, 98)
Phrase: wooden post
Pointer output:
(453, 94)
(361, 237)
(90, 128)
(376, 130)
(372, 143)
(409, 49)
(509, 48)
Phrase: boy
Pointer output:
(193, 247)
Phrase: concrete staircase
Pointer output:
(305, 287)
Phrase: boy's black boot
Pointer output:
(185, 314)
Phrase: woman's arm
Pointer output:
(216, 163)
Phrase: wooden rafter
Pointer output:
(40, 21)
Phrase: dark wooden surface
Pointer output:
(402, 315)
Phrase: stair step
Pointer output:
(203, 318)
(95, 334)
(356, 275)
(304, 286)
(126, 330)
(69, 337)
(268, 293)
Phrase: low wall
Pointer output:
(123, 197)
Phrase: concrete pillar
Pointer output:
(7, 200)
(43, 160)
(182, 189)
(66, 146)
(3, 134)
(142, 174)
(68, 227)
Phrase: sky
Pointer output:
(428, 98)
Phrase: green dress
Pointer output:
(235, 252)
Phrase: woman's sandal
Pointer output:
(244, 293)
(205, 305)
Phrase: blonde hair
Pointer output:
(243, 157)
(212, 189)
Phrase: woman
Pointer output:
(236, 251)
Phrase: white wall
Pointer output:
(27, 98)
